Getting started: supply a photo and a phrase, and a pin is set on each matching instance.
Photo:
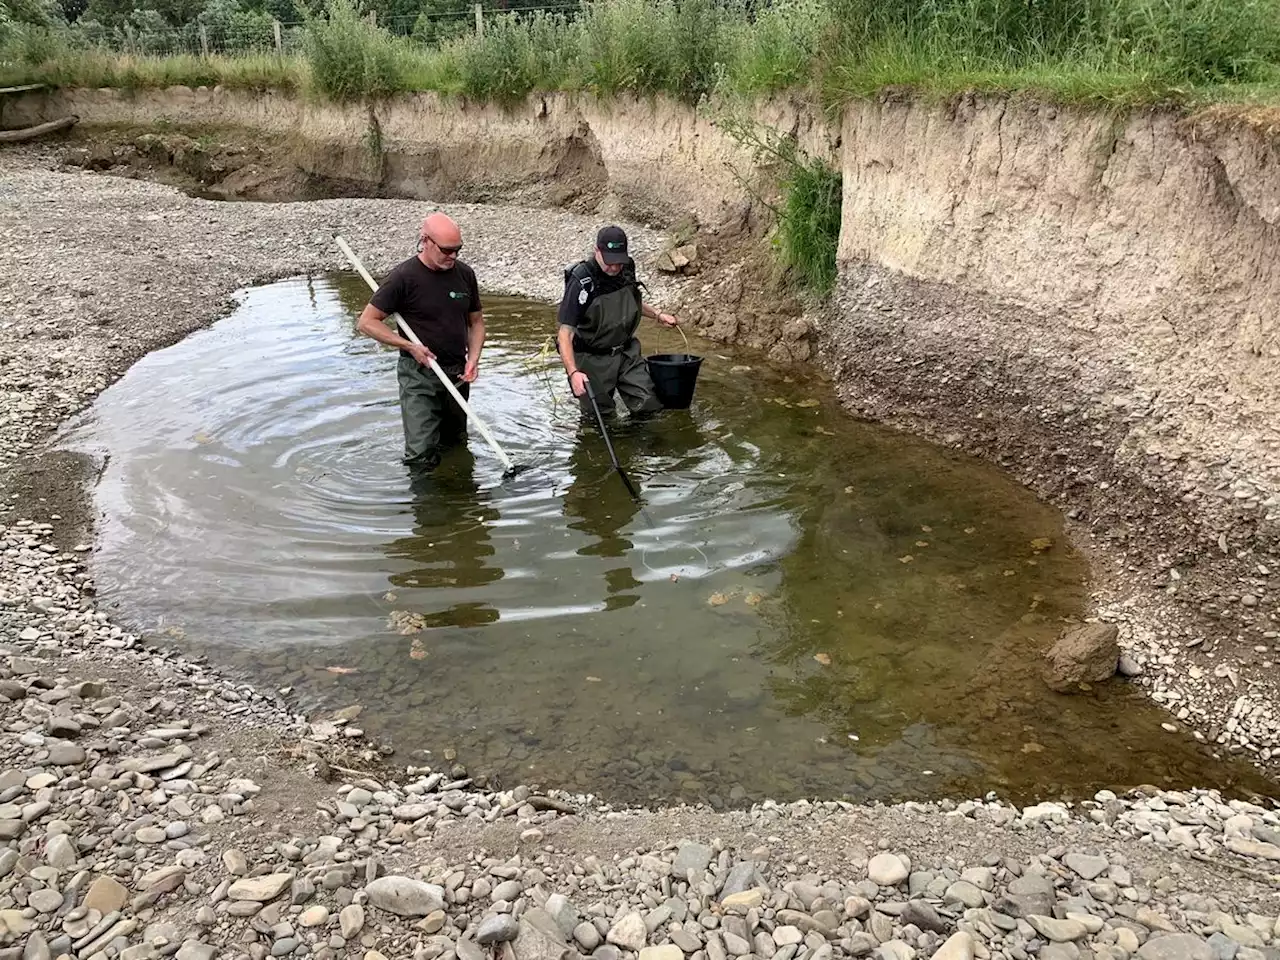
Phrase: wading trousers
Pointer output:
(432, 419)
(625, 372)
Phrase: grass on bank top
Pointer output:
(1084, 79)
(96, 68)
(1120, 52)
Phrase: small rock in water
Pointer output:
(1129, 667)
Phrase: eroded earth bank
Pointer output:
(1090, 305)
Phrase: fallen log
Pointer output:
(39, 130)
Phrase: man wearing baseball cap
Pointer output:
(599, 315)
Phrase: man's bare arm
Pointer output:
(564, 339)
(475, 343)
(372, 323)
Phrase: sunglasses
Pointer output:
(447, 251)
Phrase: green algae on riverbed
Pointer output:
(820, 607)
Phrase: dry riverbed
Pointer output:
(151, 807)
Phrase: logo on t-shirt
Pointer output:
(455, 295)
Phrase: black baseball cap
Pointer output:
(612, 244)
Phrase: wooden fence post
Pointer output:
(204, 41)
(275, 28)
(479, 22)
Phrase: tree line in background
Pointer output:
(161, 27)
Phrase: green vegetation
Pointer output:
(351, 58)
(93, 68)
(807, 215)
(809, 225)
(1097, 51)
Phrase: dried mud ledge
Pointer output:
(1090, 300)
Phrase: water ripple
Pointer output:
(801, 605)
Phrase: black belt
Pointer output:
(580, 347)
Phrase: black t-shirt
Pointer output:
(434, 303)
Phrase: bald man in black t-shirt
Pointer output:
(437, 296)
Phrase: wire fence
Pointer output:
(243, 33)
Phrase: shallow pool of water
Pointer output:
(805, 606)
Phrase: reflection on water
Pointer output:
(805, 605)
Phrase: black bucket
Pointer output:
(674, 377)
